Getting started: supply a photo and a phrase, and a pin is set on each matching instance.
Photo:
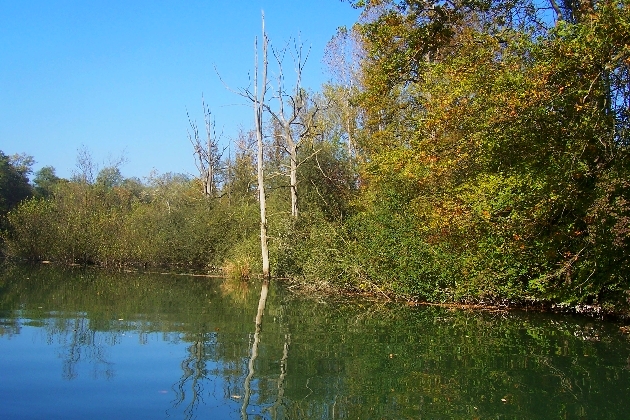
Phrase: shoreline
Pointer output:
(322, 289)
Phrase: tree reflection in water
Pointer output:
(190, 387)
(82, 342)
(254, 352)
(283, 373)
(194, 373)
(348, 359)
(79, 342)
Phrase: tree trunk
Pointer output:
(259, 103)
(292, 147)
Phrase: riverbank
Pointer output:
(327, 289)
(318, 288)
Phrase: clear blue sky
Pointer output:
(118, 76)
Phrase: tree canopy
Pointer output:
(14, 185)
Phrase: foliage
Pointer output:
(45, 181)
(14, 186)
(166, 223)
(476, 151)
(493, 153)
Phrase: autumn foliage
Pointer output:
(495, 150)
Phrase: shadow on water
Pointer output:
(161, 346)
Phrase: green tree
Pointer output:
(45, 181)
(493, 149)
(14, 185)
(109, 177)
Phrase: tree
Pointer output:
(295, 117)
(344, 53)
(109, 177)
(45, 181)
(258, 101)
(85, 167)
(207, 154)
(491, 142)
(14, 185)
(257, 96)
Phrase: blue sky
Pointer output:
(117, 77)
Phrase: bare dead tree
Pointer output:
(206, 152)
(85, 166)
(295, 116)
(259, 106)
(344, 53)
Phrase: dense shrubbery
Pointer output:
(494, 151)
(167, 223)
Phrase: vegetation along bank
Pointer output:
(462, 152)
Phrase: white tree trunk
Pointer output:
(259, 103)
(292, 148)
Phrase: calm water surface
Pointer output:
(86, 344)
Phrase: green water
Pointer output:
(80, 344)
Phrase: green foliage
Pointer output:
(31, 223)
(14, 186)
(316, 252)
(328, 180)
(45, 181)
(168, 223)
(109, 177)
(493, 158)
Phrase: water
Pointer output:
(86, 344)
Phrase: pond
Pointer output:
(83, 343)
